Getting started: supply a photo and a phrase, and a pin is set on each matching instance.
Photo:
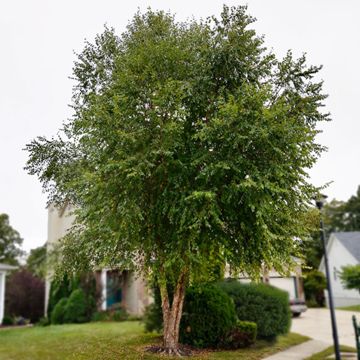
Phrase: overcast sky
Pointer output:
(38, 39)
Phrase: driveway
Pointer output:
(316, 324)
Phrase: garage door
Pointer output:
(287, 284)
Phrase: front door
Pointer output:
(113, 289)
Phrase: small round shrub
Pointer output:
(44, 321)
(208, 315)
(262, 304)
(243, 334)
(120, 315)
(7, 321)
(100, 316)
(76, 307)
(58, 313)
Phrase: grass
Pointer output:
(110, 341)
(349, 308)
(329, 351)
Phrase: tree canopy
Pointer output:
(350, 277)
(10, 242)
(36, 261)
(188, 141)
(343, 215)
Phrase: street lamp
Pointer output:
(319, 204)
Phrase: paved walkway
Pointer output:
(300, 352)
(316, 324)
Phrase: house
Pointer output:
(343, 248)
(4, 269)
(292, 284)
(118, 287)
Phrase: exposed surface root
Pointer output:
(181, 351)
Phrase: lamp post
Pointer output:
(319, 205)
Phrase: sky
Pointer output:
(38, 39)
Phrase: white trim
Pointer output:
(5, 267)
(103, 289)
(2, 295)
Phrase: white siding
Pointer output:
(339, 256)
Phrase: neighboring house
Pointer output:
(292, 283)
(122, 288)
(343, 248)
(4, 269)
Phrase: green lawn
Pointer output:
(107, 341)
(329, 351)
(350, 308)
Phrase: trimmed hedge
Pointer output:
(208, 316)
(262, 304)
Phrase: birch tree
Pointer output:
(189, 141)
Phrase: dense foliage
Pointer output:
(337, 216)
(153, 316)
(314, 286)
(209, 315)
(63, 287)
(343, 215)
(119, 314)
(189, 141)
(76, 308)
(10, 242)
(25, 295)
(262, 304)
(58, 313)
(350, 277)
(209, 319)
(36, 261)
(243, 334)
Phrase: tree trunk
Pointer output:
(172, 313)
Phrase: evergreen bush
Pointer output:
(58, 313)
(262, 304)
(209, 314)
(314, 286)
(243, 334)
(76, 307)
(7, 321)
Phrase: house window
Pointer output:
(335, 273)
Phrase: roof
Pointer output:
(7, 267)
(351, 241)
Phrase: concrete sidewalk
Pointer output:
(300, 352)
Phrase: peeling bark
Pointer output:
(172, 313)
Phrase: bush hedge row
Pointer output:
(227, 314)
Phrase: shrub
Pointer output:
(24, 295)
(100, 316)
(209, 314)
(153, 318)
(76, 308)
(314, 286)
(242, 335)
(62, 288)
(58, 313)
(120, 315)
(7, 321)
(44, 321)
(263, 304)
